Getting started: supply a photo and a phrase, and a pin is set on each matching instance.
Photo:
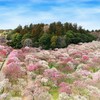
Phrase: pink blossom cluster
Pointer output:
(13, 65)
(12, 70)
(74, 70)
(64, 87)
(52, 73)
(4, 51)
(32, 67)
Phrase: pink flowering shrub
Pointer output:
(96, 60)
(64, 87)
(85, 57)
(13, 59)
(3, 52)
(13, 70)
(54, 75)
(84, 73)
(20, 55)
(76, 54)
(16, 53)
(74, 70)
(26, 49)
(32, 67)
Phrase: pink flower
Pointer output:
(63, 84)
(96, 76)
(32, 67)
(3, 52)
(69, 59)
(96, 59)
(64, 87)
(13, 59)
(85, 57)
(12, 70)
(84, 72)
(52, 73)
(77, 54)
(68, 68)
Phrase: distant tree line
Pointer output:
(54, 35)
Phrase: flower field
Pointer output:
(71, 73)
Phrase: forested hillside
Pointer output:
(54, 35)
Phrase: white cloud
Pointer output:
(86, 17)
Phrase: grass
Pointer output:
(52, 65)
(54, 92)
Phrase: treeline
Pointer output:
(54, 35)
(96, 30)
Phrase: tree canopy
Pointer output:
(53, 35)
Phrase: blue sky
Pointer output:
(83, 12)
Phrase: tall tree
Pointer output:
(59, 28)
(45, 40)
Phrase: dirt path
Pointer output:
(4, 63)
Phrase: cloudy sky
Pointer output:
(83, 12)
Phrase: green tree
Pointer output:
(44, 41)
(69, 37)
(59, 29)
(16, 40)
(18, 29)
(54, 41)
(27, 35)
(61, 42)
(52, 28)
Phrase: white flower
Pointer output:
(80, 66)
(43, 63)
(3, 84)
(63, 96)
(44, 80)
(93, 89)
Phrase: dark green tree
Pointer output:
(16, 40)
(44, 41)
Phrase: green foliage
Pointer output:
(16, 40)
(54, 41)
(69, 36)
(27, 35)
(58, 35)
(52, 65)
(9, 36)
(18, 29)
(44, 41)
(61, 42)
